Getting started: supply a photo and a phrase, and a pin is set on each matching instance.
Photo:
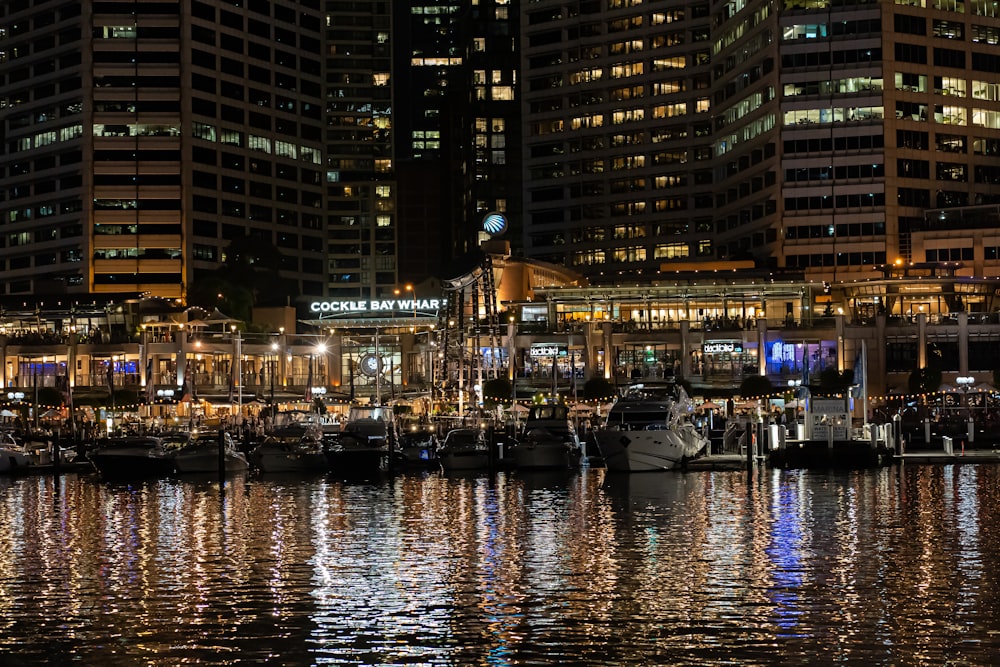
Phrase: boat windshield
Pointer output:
(559, 412)
(637, 417)
(462, 438)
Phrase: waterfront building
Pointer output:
(712, 332)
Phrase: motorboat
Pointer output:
(202, 454)
(464, 449)
(362, 446)
(548, 440)
(131, 457)
(288, 450)
(291, 422)
(649, 428)
(13, 457)
(417, 447)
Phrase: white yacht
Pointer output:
(649, 428)
(13, 457)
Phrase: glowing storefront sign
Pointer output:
(377, 306)
(547, 350)
(722, 347)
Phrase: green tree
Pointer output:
(756, 385)
(495, 391)
(596, 389)
(47, 396)
(832, 381)
(248, 276)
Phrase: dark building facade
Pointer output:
(458, 129)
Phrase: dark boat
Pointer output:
(361, 449)
(548, 440)
(291, 451)
(131, 457)
(464, 449)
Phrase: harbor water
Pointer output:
(895, 566)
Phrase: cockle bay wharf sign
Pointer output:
(382, 306)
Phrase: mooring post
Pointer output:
(222, 457)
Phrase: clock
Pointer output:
(370, 365)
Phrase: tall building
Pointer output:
(140, 138)
(618, 134)
(360, 134)
(458, 129)
(811, 135)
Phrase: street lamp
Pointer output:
(274, 368)
(966, 382)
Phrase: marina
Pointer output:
(884, 566)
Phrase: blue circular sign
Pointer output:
(494, 223)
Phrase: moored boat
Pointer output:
(131, 457)
(417, 448)
(548, 440)
(201, 454)
(13, 457)
(289, 451)
(649, 429)
(361, 449)
(464, 449)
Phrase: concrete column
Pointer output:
(590, 346)
(180, 356)
(335, 370)
(963, 343)
(921, 340)
(609, 353)
(762, 345)
(685, 348)
(838, 323)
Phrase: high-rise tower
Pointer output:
(810, 135)
(140, 138)
(458, 125)
(361, 184)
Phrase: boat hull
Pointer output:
(12, 461)
(648, 450)
(201, 459)
(274, 460)
(125, 464)
(356, 461)
(464, 460)
(545, 456)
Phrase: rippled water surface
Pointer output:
(891, 567)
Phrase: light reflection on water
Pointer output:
(896, 566)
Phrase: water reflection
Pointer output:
(883, 567)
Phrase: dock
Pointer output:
(718, 462)
(941, 456)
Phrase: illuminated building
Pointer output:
(811, 136)
(140, 138)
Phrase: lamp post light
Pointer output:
(966, 382)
